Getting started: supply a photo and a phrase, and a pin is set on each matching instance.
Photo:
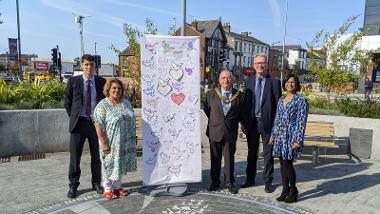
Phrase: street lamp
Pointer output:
(283, 44)
(183, 31)
(19, 42)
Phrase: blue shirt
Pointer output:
(93, 94)
(225, 106)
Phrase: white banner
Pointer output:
(170, 83)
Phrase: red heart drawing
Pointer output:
(177, 98)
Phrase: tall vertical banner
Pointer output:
(170, 72)
(13, 54)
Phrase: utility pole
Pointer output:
(183, 30)
(79, 19)
(283, 44)
(19, 41)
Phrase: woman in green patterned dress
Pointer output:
(115, 125)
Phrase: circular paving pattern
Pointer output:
(193, 202)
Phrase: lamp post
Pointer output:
(19, 42)
(283, 44)
(183, 30)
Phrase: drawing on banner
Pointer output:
(165, 158)
(178, 86)
(153, 145)
(176, 170)
(149, 91)
(169, 118)
(149, 63)
(176, 71)
(170, 82)
(180, 154)
(153, 102)
(164, 87)
(151, 47)
(152, 160)
(167, 48)
(174, 133)
(193, 99)
(191, 146)
(177, 98)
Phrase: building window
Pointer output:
(241, 46)
(262, 49)
(249, 61)
(253, 49)
(243, 60)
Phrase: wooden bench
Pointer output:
(319, 134)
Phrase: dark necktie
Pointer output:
(258, 96)
(88, 99)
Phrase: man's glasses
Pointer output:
(260, 63)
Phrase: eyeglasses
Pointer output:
(260, 63)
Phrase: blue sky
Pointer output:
(47, 23)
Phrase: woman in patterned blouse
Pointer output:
(288, 135)
(115, 125)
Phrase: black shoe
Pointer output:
(292, 197)
(247, 184)
(212, 187)
(96, 186)
(72, 192)
(232, 189)
(284, 194)
(269, 188)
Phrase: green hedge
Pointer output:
(32, 95)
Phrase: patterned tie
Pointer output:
(226, 107)
(258, 96)
(88, 99)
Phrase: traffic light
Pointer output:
(98, 61)
(54, 55)
(59, 62)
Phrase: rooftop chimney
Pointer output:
(245, 33)
(227, 27)
(195, 24)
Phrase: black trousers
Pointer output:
(253, 137)
(84, 129)
(288, 174)
(227, 149)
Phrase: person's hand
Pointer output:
(296, 146)
(270, 141)
(106, 148)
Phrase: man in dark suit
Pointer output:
(82, 94)
(262, 93)
(224, 108)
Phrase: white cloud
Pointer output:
(276, 14)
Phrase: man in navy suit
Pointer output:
(82, 94)
(262, 93)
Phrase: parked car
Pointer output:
(65, 77)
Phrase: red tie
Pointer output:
(88, 99)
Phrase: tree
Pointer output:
(337, 50)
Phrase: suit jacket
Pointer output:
(220, 126)
(269, 100)
(73, 101)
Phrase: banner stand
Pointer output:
(168, 190)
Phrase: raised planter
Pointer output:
(26, 132)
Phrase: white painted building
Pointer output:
(244, 48)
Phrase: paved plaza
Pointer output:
(337, 185)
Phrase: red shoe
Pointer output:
(110, 195)
(121, 192)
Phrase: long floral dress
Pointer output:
(289, 127)
(118, 125)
